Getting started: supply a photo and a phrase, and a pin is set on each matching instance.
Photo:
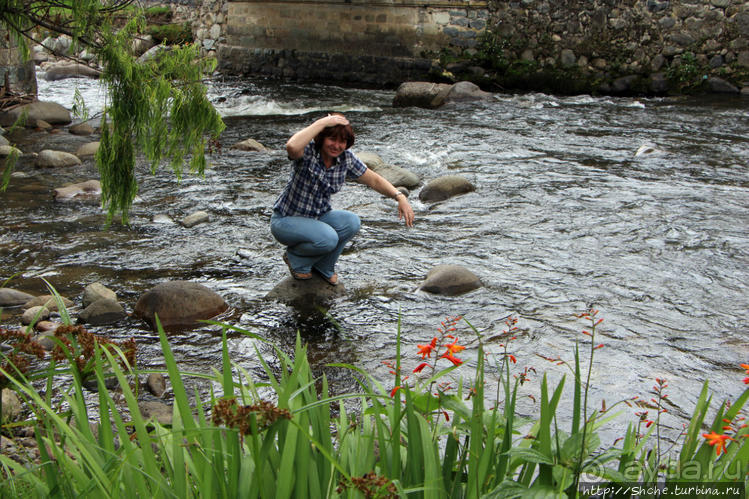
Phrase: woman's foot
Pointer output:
(332, 280)
(300, 276)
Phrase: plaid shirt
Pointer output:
(308, 192)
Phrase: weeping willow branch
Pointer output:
(158, 108)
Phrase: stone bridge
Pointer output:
(377, 42)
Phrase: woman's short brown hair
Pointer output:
(343, 131)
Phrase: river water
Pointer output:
(565, 217)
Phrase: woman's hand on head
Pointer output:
(335, 120)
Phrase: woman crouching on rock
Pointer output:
(303, 219)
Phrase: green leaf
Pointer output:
(530, 455)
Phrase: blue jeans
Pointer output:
(315, 243)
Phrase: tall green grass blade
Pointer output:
(695, 425)
(475, 475)
(61, 308)
(175, 377)
(151, 466)
(543, 440)
(226, 366)
(178, 468)
(577, 397)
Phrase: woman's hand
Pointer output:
(405, 212)
(334, 120)
(381, 185)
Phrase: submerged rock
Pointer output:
(306, 294)
(13, 298)
(399, 177)
(251, 145)
(101, 312)
(156, 410)
(48, 301)
(450, 280)
(156, 384)
(7, 150)
(196, 218)
(445, 187)
(89, 189)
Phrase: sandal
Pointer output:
(332, 280)
(300, 276)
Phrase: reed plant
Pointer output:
(432, 433)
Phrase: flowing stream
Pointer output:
(565, 217)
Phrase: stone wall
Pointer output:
(659, 41)
(21, 75)
(610, 46)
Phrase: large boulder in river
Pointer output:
(64, 70)
(306, 294)
(399, 177)
(51, 112)
(419, 93)
(179, 304)
(450, 280)
(445, 187)
(463, 91)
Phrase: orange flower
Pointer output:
(420, 367)
(394, 390)
(449, 356)
(717, 441)
(454, 347)
(426, 350)
(512, 358)
(745, 367)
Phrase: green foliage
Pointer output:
(147, 110)
(171, 34)
(158, 11)
(684, 73)
(490, 51)
(396, 443)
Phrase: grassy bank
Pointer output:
(430, 432)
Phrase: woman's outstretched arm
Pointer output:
(381, 185)
(296, 144)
